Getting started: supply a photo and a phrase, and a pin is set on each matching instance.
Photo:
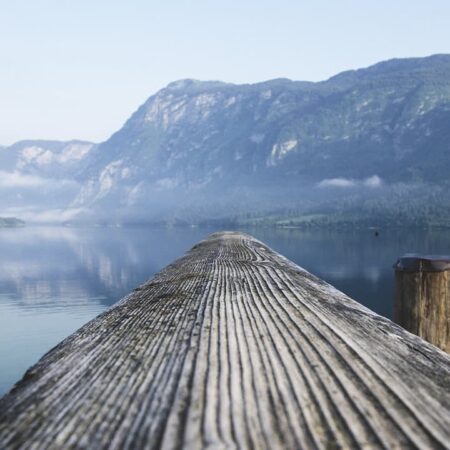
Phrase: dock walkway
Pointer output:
(233, 346)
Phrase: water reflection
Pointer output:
(53, 280)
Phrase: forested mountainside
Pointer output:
(364, 146)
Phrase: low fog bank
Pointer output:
(331, 202)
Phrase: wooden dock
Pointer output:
(233, 346)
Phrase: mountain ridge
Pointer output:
(201, 150)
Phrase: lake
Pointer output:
(53, 280)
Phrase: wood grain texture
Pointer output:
(233, 346)
(422, 304)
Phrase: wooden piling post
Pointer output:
(422, 297)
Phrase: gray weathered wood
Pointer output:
(233, 346)
(422, 298)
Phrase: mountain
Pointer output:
(373, 141)
(39, 179)
(11, 222)
(52, 159)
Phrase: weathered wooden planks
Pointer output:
(233, 346)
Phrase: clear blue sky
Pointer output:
(79, 68)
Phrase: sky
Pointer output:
(79, 69)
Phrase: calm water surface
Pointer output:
(53, 280)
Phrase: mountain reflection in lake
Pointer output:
(53, 280)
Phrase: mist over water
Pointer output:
(53, 280)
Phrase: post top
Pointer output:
(426, 263)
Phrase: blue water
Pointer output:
(53, 280)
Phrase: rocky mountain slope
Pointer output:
(375, 138)
(39, 179)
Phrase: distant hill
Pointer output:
(11, 222)
(39, 179)
(366, 145)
